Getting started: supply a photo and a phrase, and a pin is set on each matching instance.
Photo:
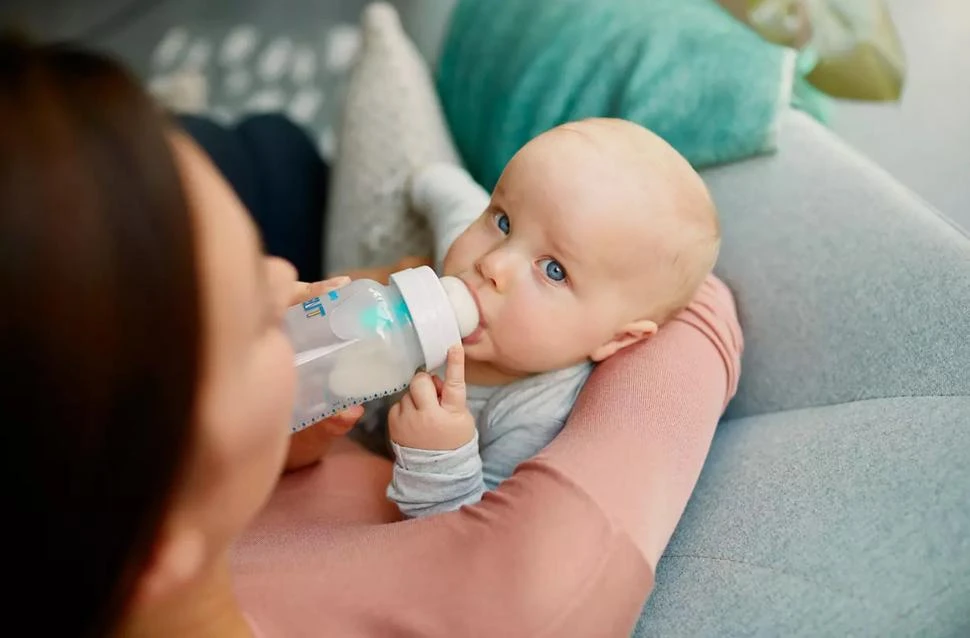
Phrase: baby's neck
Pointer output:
(486, 374)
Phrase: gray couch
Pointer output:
(836, 498)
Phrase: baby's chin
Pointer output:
(475, 349)
(481, 352)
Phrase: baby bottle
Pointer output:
(366, 340)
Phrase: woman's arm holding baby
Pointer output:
(567, 546)
(653, 410)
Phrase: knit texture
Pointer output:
(392, 124)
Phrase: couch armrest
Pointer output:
(849, 286)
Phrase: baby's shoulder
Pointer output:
(547, 396)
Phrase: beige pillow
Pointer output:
(392, 125)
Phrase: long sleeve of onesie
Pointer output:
(515, 422)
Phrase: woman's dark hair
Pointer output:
(100, 328)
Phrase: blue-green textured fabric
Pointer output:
(512, 69)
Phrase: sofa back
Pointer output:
(849, 287)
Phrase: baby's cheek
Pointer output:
(463, 249)
(527, 338)
(455, 262)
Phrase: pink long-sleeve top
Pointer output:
(566, 547)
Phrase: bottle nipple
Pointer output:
(462, 303)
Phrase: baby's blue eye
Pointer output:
(502, 221)
(553, 270)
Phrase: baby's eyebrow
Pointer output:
(564, 250)
(497, 201)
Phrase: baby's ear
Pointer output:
(631, 333)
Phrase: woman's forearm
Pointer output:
(641, 429)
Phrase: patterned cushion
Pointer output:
(392, 125)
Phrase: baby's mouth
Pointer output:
(476, 334)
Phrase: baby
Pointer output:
(596, 234)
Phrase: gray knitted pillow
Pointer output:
(392, 125)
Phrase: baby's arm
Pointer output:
(426, 482)
(437, 467)
(450, 199)
(520, 421)
(429, 482)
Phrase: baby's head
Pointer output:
(596, 234)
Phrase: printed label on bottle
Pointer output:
(314, 307)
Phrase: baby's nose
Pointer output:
(493, 267)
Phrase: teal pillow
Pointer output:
(512, 69)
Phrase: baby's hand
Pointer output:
(433, 414)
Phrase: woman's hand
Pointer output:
(308, 446)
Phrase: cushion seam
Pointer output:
(843, 403)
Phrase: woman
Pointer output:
(149, 387)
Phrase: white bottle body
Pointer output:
(352, 345)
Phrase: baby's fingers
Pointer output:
(406, 404)
(423, 391)
(439, 385)
(453, 389)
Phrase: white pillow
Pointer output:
(392, 125)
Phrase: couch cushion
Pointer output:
(840, 520)
(849, 287)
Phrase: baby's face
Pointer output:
(561, 260)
